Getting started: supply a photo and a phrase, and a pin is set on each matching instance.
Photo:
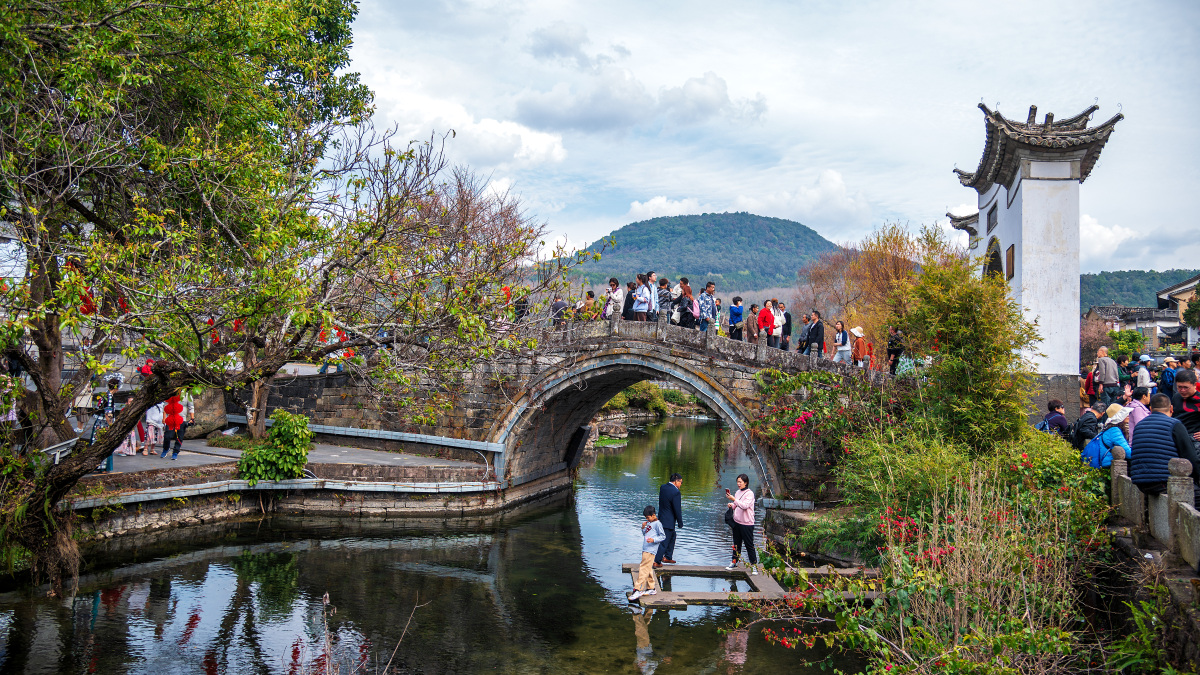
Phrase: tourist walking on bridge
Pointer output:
(859, 351)
(742, 503)
(841, 343)
(664, 297)
(708, 306)
(751, 324)
(670, 514)
(777, 318)
(735, 319)
(616, 299)
(627, 310)
(642, 300)
(766, 322)
(816, 336)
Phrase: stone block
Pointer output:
(1159, 517)
(1187, 533)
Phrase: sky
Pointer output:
(842, 116)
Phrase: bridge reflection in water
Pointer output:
(536, 590)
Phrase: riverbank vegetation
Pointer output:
(986, 533)
(648, 398)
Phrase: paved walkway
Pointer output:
(198, 453)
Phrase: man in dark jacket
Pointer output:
(670, 514)
(816, 336)
(1158, 439)
(786, 338)
(1088, 425)
(1056, 419)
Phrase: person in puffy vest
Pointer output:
(1158, 439)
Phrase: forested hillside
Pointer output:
(738, 251)
(1131, 288)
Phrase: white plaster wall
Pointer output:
(1040, 219)
(1048, 265)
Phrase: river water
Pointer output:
(537, 591)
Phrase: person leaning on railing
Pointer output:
(1158, 439)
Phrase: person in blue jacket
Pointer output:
(670, 514)
(1098, 451)
(1157, 440)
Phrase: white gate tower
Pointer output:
(1027, 226)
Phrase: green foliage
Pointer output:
(618, 402)
(971, 336)
(1191, 315)
(1126, 342)
(648, 396)
(738, 251)
(676, 397)
(1127, 288)
(1144, 649)
(284, 454)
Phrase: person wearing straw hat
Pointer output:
(1098, 451)
(859, 351)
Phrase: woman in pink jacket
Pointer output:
(742, 503)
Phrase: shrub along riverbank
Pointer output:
(988, 534)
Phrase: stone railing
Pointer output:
(1170, 518)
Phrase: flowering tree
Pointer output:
(196, 182)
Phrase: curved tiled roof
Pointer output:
(1004, 138)
(968, 224)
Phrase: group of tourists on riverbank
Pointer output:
(650, 298)
(659, 531)
(1154, 420)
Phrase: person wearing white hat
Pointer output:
(859, 351)
(1098, 451)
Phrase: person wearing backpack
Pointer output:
(1166, 381)
(1055, 421)
(1098, 452)
(1087, 426)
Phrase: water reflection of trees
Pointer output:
(684, 445)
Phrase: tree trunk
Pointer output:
(259, 392)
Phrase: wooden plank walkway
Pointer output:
(765, 586)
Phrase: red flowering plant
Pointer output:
(821, 409)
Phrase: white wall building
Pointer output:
(1027, 227)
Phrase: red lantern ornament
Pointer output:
(172, 410)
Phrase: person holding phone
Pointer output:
(742, 503)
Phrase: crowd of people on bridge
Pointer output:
(651, 298)
(1149, 409)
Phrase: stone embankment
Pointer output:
(159, 499)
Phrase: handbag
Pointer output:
(729, 517)
(675, 316)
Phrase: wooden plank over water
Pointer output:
(766, 587)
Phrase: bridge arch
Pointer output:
(542, 429)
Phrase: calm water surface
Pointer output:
(537, 591)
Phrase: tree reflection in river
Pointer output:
(539, 590)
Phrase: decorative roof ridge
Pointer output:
(968, 224)
(1004, 137)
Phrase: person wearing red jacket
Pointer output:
(766, 321)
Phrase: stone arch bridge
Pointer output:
(528, 418)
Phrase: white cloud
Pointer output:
(657, 207)
(1098, 242)
(826, 202)
(560, 40)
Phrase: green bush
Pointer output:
(676, 397)
(284, 454)
(648, 396)
(972, 338)
(618, 402)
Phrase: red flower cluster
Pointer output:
(901, 528)
(800, 421)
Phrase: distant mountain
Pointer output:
(1130, 288)
(739, 251)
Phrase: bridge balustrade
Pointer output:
(1171, 518)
